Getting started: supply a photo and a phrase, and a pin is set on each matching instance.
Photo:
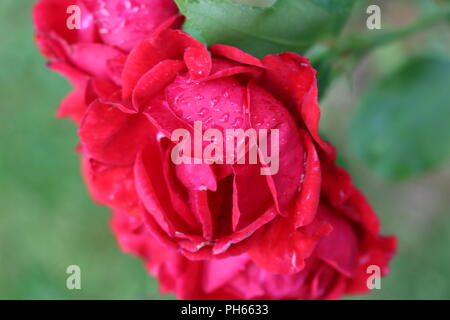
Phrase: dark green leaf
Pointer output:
(288, 25)
(402, 127)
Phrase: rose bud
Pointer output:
(86, 41)
(217, 210)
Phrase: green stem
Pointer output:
(358, 44)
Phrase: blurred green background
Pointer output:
(48, 221)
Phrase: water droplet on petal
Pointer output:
(237, 122)
(203, 112)
(215, 101)
(160, 135)
(225, 117)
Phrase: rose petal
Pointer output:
(222, 68)
(111, 136)
(93, 58)
(166, 44)
(50, 16)
(308, 197)
(223, 245)
(198, 62)
(336, 184)
(198, 177)
(217, 103)
(291, 78)
(153, 191)
(123, 24)
(235, 54)
(111, 185)
(245, 208)
(199, 205)
(267, 113)
(153, 81)
(74, 104)
(283, 248)
(218, 273)
(163, 118)
(340, 248)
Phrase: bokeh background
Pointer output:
(48, 221)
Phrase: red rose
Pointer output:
(300, 230)
(307, 213)
(92, 56)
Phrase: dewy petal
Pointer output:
(197, 176)
(166, 44)
(308, 197)
(111, 136)
(198, 62)
(269, 114)
(292, 79)
(358, 209)
(217, 103)
(163, 118)
(283, 248)
(141, 59)
(336, 184)
(123, 24)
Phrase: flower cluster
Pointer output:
(208, 230)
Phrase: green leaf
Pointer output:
(191, 29)
(287, 25)
(257, 3)
(402, 127)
